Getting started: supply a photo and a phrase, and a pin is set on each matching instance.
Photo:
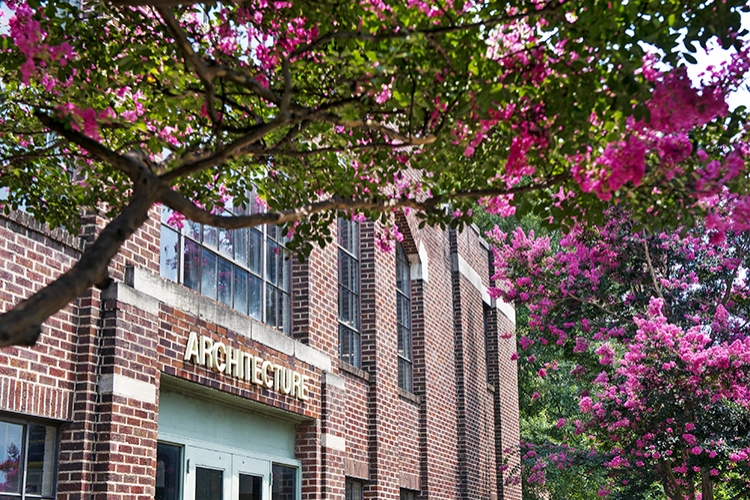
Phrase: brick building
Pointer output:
(214, 367)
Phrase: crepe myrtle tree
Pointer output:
(329, 108)
(653, 329)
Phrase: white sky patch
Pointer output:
(715, 56)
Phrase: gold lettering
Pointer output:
(267, 379)
(235, 365)
(303, 394)
(286, 381)
(278, 372)
(192, 351)
(257, 370)
(218, 366)
(296, 382)
(206, 351)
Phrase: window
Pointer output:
(408, 495)
(246, 269)
(353, 489)
(284, 483)
(403, 313)
(168, 471)
(349, 317)
(27, 460)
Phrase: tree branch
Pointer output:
(672, 481)
(222, 155)
(286, 98)
(22, 324)
(552, 5)
(407, 140)
(191, 59)
(127, 164)
(651, 270)
(598, 306)
(180, 203)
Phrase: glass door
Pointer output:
(215, 475)
(208, 474)
(250, 478)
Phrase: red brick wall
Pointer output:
(443, 440)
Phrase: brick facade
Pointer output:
(102, 363)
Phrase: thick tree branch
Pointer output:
(22, 324)
(286, 98)
(247, 82)
(222, 155)
(127, 164)
(651, 270)
(671, 480)
(179, 203)
(183, 205)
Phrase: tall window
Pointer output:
(246, 269)
(353, 490)
(27, 460)
(408, 495)
(403, 313)
(168, 471)
(349, 317)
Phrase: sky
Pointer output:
(716, 56)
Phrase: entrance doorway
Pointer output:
(212, 475)
(220, 475)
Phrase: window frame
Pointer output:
(404, 325)
(270, 239)
(353, 354)
(24, 452)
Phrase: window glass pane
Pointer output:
(349, 235)
(40, 465)
(348, 308)
(348, 271)
(11, 441)
(168, 263)
(209, 484)
(240, 246)
(210, 236)
(404, 375)
(272, 262)
(272, 304)
(285, 266)
(284, 479)
(255, 289)
(403, 310)
(226, 243)
(240, 290)
(285, 314)
(193, 230)
(168, 472)
(402, 271)
(255, 251)
(208, 274)
(225, 282)
(250, 487)
(349, 347)
(166, 213)
(191, 261)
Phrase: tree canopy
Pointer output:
(326, 108)
(649, 333)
